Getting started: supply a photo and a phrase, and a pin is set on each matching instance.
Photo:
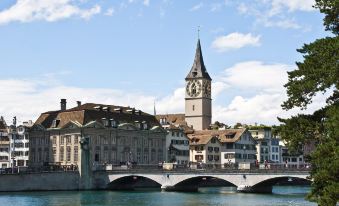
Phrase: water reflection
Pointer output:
(282, 196)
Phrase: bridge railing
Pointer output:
(203, 168)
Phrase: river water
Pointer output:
(282, 196)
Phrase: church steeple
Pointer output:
(198, 69)
(198, 102)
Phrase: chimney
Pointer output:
(63, 104)
(79, 103)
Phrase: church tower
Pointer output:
(198, 102)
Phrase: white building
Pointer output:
(177, 145)
(19, 140)
(268, 147)
(177, 142)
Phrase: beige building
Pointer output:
(222, 146)
(111, 135)
(4, 145)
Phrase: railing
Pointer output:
(201, 168)
(43, 169)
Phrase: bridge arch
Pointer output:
(285, 178)
(273, 179)
(131, 182)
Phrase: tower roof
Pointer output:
(198, 69)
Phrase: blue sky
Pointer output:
(135, 52)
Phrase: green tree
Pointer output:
(318, 73)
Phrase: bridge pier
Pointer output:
(255, 189)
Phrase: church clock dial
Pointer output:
(193, 88)
(206, 87)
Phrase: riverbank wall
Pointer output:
(56, 181)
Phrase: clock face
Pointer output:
(193, 88)
(206, 87)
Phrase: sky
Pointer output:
(137, 52)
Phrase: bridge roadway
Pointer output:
(256, 181)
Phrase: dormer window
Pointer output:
(163, 121)
(144, 125)
(55, 123)
(105, 122)
(137, 124)
(113, 123)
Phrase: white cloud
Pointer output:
(259, 94)
(276, 13)
(146, 2)
(235, 41)
(109, 12)
(51, 10)
(292, 5)
(256, 74)
(197, 7)
(254, 89)
(27, 99)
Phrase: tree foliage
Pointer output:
(318, 73)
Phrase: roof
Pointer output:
(89, 112)
(224, 136)
(174, 119)
(198, 69)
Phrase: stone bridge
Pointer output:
(245, 181)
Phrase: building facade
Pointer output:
(198, 102)
(111, 135)
(19, 140)
(4, 145)
(230, 146)
(268, 147)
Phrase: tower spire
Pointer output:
(198, 69)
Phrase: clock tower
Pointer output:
(198, 102)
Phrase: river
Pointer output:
(282, 196)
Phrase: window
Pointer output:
(54, 151)
(76, 139)
(62, 140)
(216, 149)
(216, 158)
(193, 107)
(68, 139)
(68, 153)
(229, 156)
(199, 157)
(213, 140)
(96, 157)
(54, 139)
(210, 157)
(210, 149)
(76, 153)
(61, 155)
